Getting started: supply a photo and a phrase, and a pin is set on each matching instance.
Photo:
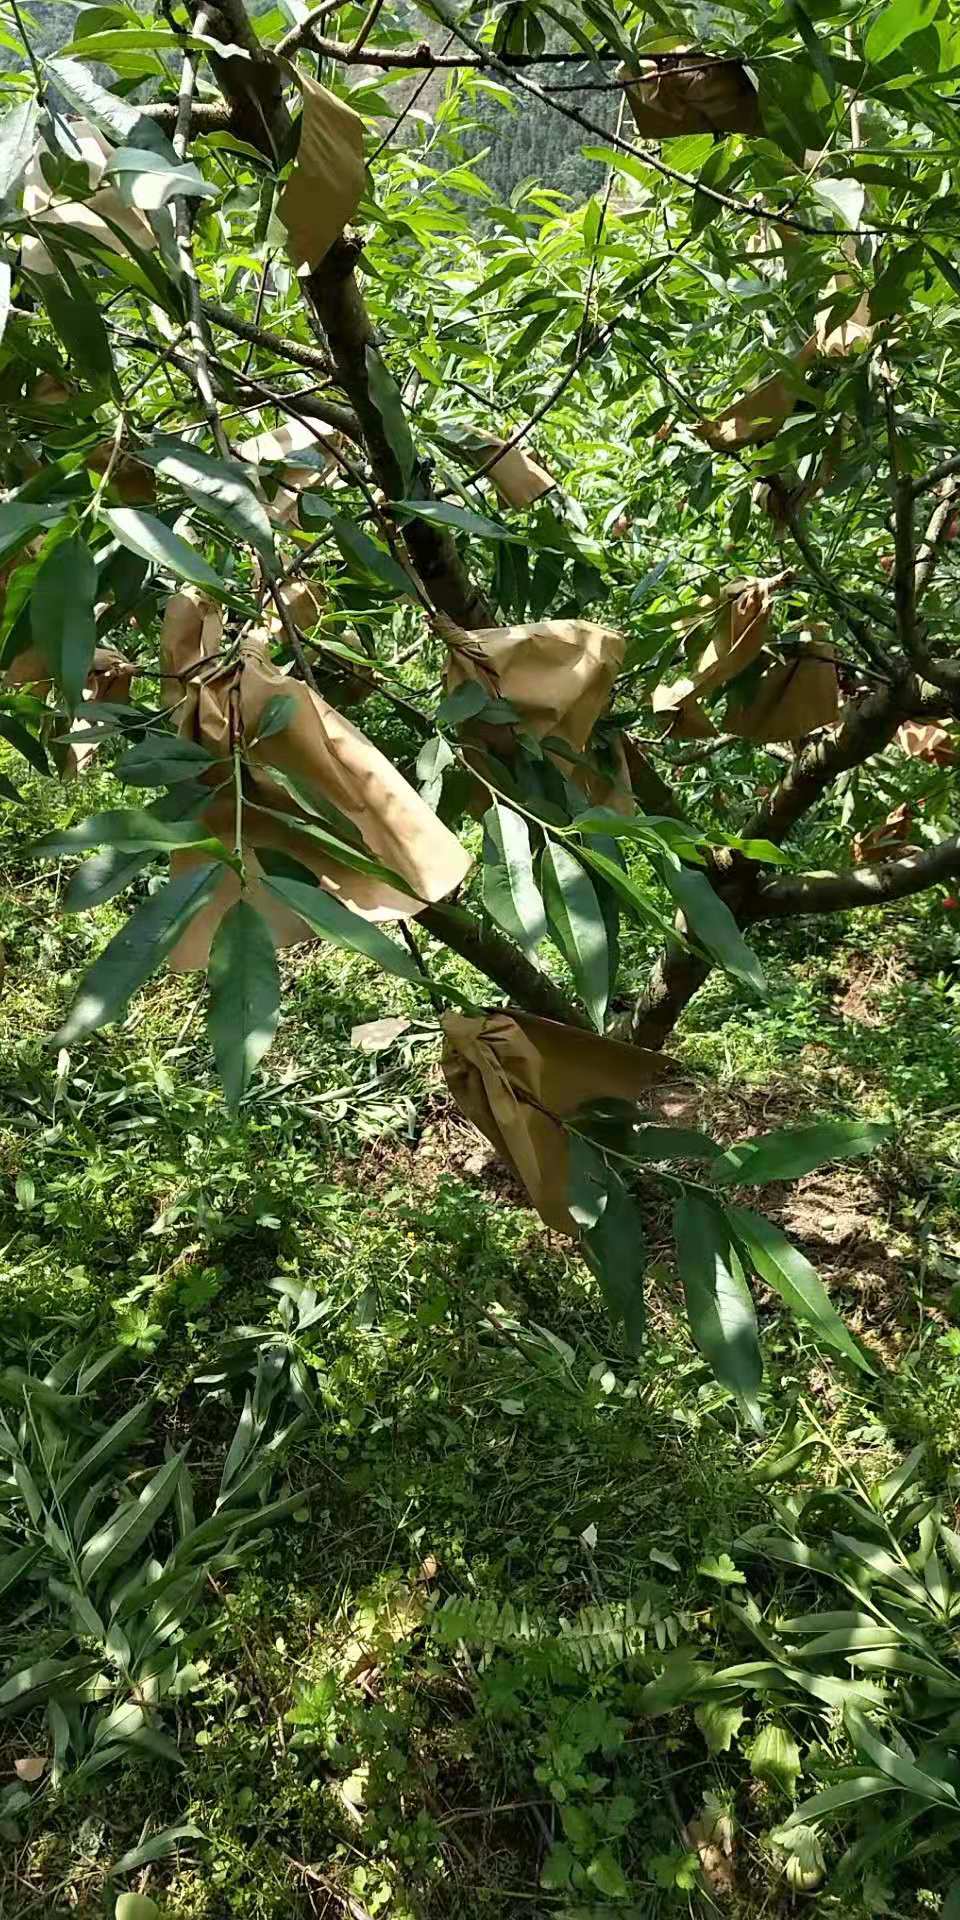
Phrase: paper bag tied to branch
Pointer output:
(110, 678)
(792, 698)
(516, 1076)
(558, 674)
(691, 92)
(85, 215)
(279, 443)
(322, 751)
(328, 176)
(739, 625)
(517, 476)
(759, 415)
(891, 839)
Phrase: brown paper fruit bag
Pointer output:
(86, 215)
(926, 742)
(889, 840)
(758, 415)
(515, 1076)
(279, 443)
(739, 625)
(328, 176)
(792, 698)
(517, 476)
(322, 751)
(691, 92)
(558, 674)
(110, 678)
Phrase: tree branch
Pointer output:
(871, 886)
(340, 309)
(933, 540)
(257, 336)
(502, 962)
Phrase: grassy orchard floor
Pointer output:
(478, 1418)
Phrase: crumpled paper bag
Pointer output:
(321, 750)
(328, 175)
(512, 1073)
(759, 415)
(85, 215)
(691, 92)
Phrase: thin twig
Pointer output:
(367, 26)
(184, 235)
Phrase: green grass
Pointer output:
(478, 1435)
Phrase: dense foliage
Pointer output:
(603, 467)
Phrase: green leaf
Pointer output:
(19, 520)
(105, 109)
(640, 905)
(137, 950)
(5, 285)
(221, 486)
(435, 756)
(588, 1181)
(115, 1440)
(509, 890)
(156, 1848)
(62, 615)
(113, 1545)
(17, 130)
(20, 1689)
(721, 1568)
(15, 1566)
(133, 831)
(895, 24)
(163, 759)
(24, 742)
(784, 1268)
(605, 1873)
(75, 315)
(244, 981)
(722, 1315)
(144, 534)
(576, 923)
(339, 849)
(102, 877)
(147, 180)
(946, 267)
(615, 1251)
(337, 923)
(906, 1774)
(386, 397)
(276, 716)
(849, 1793)
(362, 554)
(793, 1151)
(670, 1143)
(719, 1724)
(775, 1758)
(446, 514)
(713, 925)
